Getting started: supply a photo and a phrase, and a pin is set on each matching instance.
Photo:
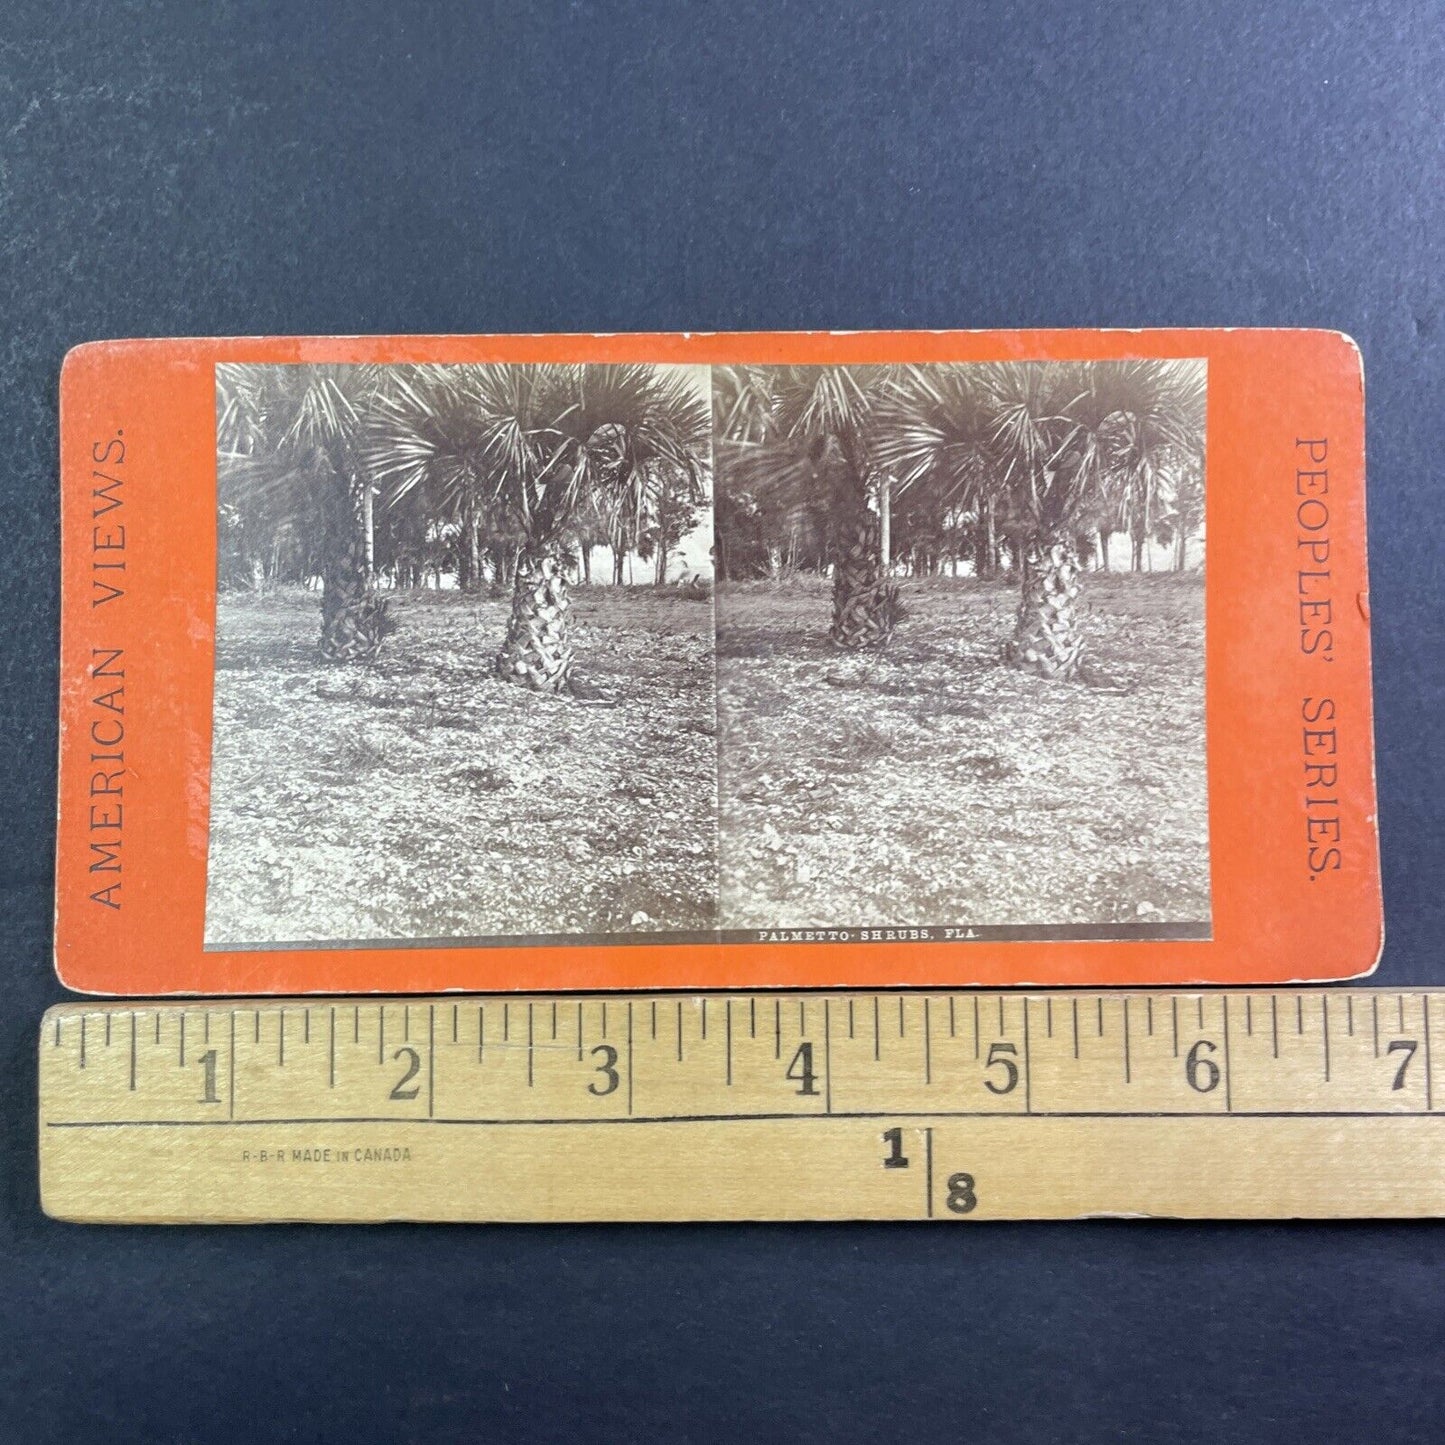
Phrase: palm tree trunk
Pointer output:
(865, 602)
(368, 533)
(353, 618)
(885, 523)
(469, 564)
(663, 521)
(985, 556)
(1048, 639)
(536, 653)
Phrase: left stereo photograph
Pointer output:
(760, 660)
(464, 675)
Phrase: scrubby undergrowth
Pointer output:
(930, 784)
(419, 797)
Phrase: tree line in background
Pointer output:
(1023, 467)
(509, 475)
(504, 474)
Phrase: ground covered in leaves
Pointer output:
(419, 797)
(931, 785)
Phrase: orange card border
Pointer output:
(1274, 919)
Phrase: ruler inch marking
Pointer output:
(1228, 1070)
(1425, 1007)
(827, 1057)
(928, 1173)
(927, 1044)
(1028, 1063)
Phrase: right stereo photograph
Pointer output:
(960, 648)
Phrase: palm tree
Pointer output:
(1069, 435)
(1182, 512)
(804, 434)
(540, 442)
(933, 431)
(1057, 444)
(296, 434)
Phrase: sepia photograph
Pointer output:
(493, 663)
(960, 613)
(464, 665)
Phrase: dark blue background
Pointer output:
(214, 169)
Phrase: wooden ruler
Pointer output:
(942, 1106)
